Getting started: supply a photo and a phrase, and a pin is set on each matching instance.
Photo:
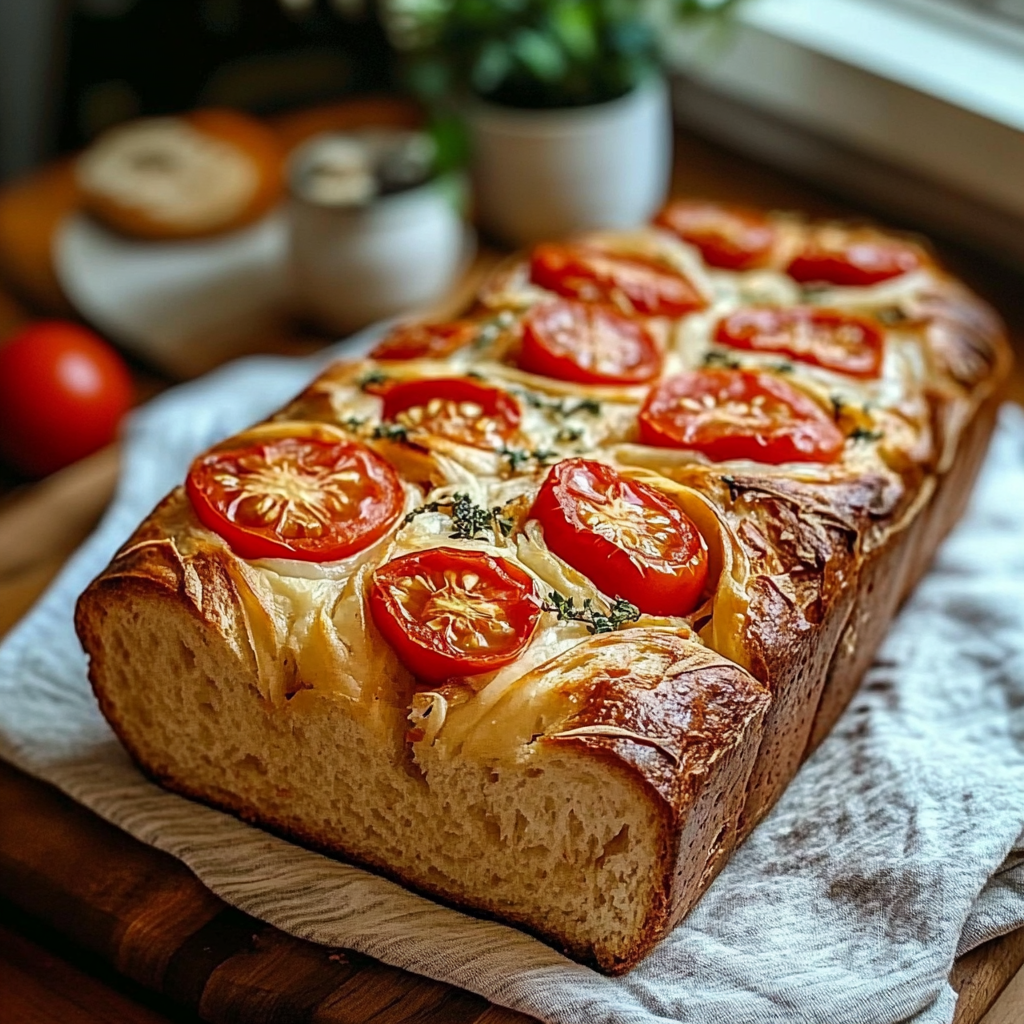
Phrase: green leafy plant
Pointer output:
(620, 614)
(535, 53)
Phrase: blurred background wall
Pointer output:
(70, 68)
(915, 106)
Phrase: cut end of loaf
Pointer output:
(565, 844)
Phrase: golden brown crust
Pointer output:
(819, 562)
(668, 737)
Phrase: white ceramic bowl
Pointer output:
(548, 173)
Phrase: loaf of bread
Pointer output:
(538, 611)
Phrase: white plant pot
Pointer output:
(546, 173)
(352, 266)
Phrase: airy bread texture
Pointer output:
(590, 791)
(580, 848)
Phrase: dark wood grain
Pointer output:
(981, 975)
(148, 916)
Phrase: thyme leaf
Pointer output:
(621, 612)
(390, 431)
(863, 434)
(891, 315)
(717, 358)
(372, 379)
(468, 518)
(560, 406)
(519, 457)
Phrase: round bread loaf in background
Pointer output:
(198, 174)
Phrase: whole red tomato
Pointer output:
(63, 392)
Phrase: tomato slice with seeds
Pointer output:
(639, 285)
(728, 237)
(425, 341)
(455, 408)
(307, 498)
(851, 261)
(587, 343)
(739, 414)
(630, 539)
(452, 612)
(812, 334)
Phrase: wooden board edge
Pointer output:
(150, 918)
(979, 977)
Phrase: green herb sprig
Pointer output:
(560, 406)
(468, 518)
(891, 316)
(863, 434)
(568, 434)
(389, 431)
(717, 358)
(519, 457)
(373, 379)
(620, 613)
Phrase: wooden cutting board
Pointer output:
(152, 920)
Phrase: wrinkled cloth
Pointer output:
(898, 846)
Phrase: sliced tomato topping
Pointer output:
(587, 343)
(425, 341)
(638, 285)
(296, 497)
(451, 612)
(456, 408)
(730, 237)
(825, 337)
(630, 539)
(853, 261)
(739, 414)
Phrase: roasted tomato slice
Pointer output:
(845, 258)
(296, 497)
(425, 341)
(738, 414)
(639, 285)
(630, 539)
(587, 343)
(825, 337)
(456, 408)
(451, 612)
(729, 237)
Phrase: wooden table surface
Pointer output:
(95, 926)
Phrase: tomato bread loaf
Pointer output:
(538, 611)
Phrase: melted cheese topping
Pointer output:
(310, 624)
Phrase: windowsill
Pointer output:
(929, 90)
